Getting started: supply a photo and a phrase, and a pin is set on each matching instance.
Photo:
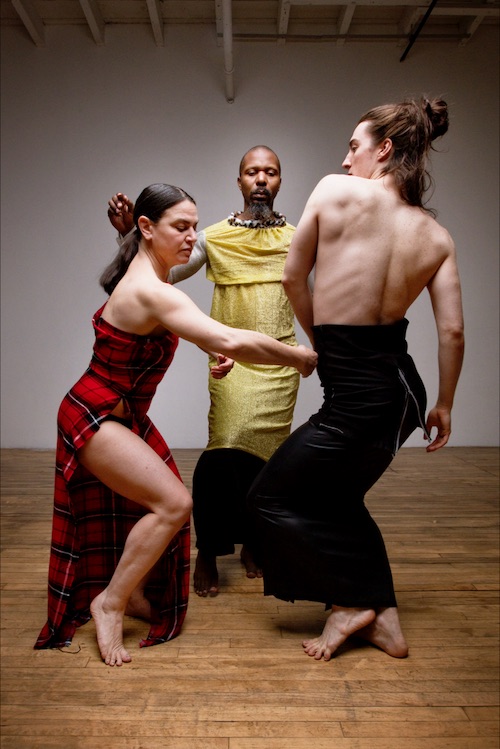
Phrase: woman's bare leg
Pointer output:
(138, 605)
(127, 465)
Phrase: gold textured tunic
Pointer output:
(251, 409)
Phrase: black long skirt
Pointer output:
(317, 539)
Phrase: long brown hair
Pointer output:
(411, 125)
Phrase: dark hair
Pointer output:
(254, 148)
(411, 125)
(152, 203)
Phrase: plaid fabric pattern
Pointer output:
(90, 522)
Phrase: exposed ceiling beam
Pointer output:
(156, 19)
(385, 20)
(94, 20)
(448, 10)
(469, 11)
(334, 3)
(475, 16)
(408, 20)
(31, 20)
(283, 19)
(471, 28)
(345, 19)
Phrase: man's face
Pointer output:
(361, 159)
(260, 178)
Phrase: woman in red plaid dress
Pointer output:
(120, 540)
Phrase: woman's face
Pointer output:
(175, 233)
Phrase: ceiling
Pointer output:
(404, 22)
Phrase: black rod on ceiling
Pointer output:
(413, 37)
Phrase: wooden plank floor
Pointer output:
(237, 677)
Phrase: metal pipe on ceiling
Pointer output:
(227, 40)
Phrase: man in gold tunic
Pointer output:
(251, 410)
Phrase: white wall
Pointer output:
(80, 122)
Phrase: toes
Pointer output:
(312, 648)
(117, 659)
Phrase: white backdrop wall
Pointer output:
(80, 122)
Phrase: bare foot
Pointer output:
(341, 623)
(206, 578)
(385, 633)
(139, 606)
(109, 628)
(253, 570)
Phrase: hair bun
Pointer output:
(437, 112)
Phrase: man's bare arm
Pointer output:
(196, 261)
(120, 213)
(445, 292)
(299, 264)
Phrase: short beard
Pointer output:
(261, 211)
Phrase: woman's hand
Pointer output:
(309, 360)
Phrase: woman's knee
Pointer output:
(176, 507)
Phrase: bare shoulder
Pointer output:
(336, 182)
(333, 179)
(441, 237)
(152, 291)
(339, 188)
